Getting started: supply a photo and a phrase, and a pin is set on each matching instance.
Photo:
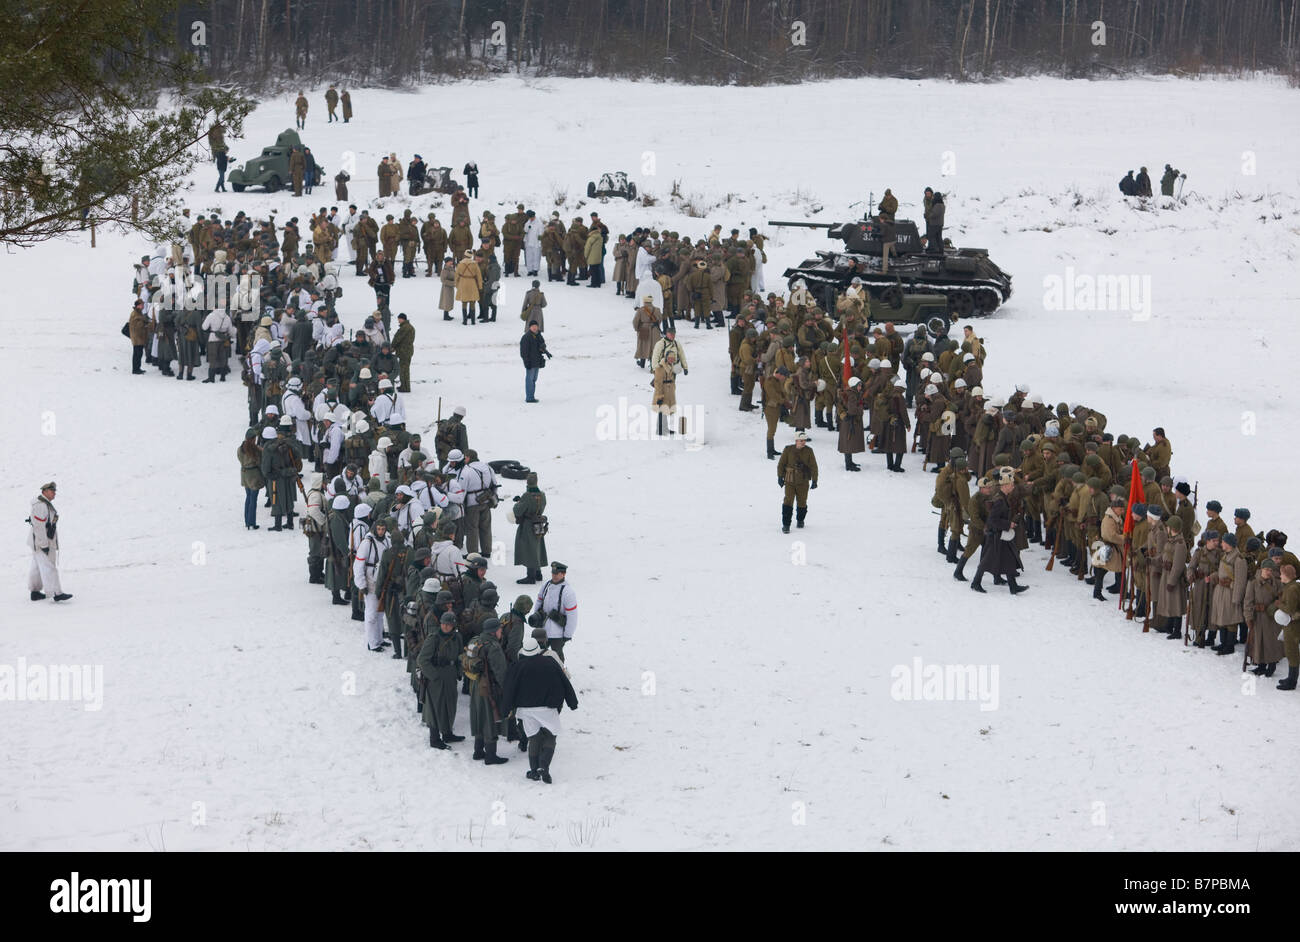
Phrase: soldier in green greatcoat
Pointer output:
(392, 583)
(438, 664)
(485, 693)
(530, 546)
(280, 467)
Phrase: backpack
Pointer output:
(246, 372)
(446, 435)
(541, 526)
(472, 661)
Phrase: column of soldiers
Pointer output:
(398, 532)
(1054, 477)
(1058, 479)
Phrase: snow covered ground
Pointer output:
(739, 688)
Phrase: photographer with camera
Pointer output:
(556, 610)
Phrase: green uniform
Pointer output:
(438, 662)
(486, 692)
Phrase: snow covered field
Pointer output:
(736, 685)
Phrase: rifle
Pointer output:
(1187, 618)
(388, 577)
(916, 437)
(1147, 603)
(1245, 655)
(1056, 543)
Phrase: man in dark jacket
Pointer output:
(999, 554)
(1143, 183)
(536, 688)
(532, 350)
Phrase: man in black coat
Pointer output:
(537, 687)
(532, 350)
(1143, 183)
(998, 554)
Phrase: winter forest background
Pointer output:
(276, 42)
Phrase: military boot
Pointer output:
(830, 419)
(1228, 645)
(452, 737)
(771, 448)
(338, 599)
(546, 752)
(786, 513)
(1098, 580)
(943, 548)
(435, 741)
(1113, 588)
(478, 748)
(849, 465)
(534, 755)
(818, 420)
(959, 573)
(975, 586)
(1290, 681)
(952, 550)
(397, 647)
(1269, 668)
(1015, 587)
(491, 757)
(1174, 628)
(798, 517)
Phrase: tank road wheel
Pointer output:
(961, 303)
(986, 300)
(237, 187)
(273, 184)
(591, 190)
(893, 296)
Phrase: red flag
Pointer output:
(847, 369)
(1134, 492)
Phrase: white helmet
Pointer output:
(384, 443)
(295, 383)
(361, 427)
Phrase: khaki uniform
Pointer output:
(798, 467)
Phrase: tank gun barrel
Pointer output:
(801, 225)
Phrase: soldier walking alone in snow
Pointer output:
(44, 574)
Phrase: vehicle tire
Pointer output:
(591, 190)
(237, 187)
(893, 296)
(961, 303)
(631, 191)
(273, 184)
(938, 326)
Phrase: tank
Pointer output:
(967, 277)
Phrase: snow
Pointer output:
(735, 683)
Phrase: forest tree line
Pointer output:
(281, 42)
